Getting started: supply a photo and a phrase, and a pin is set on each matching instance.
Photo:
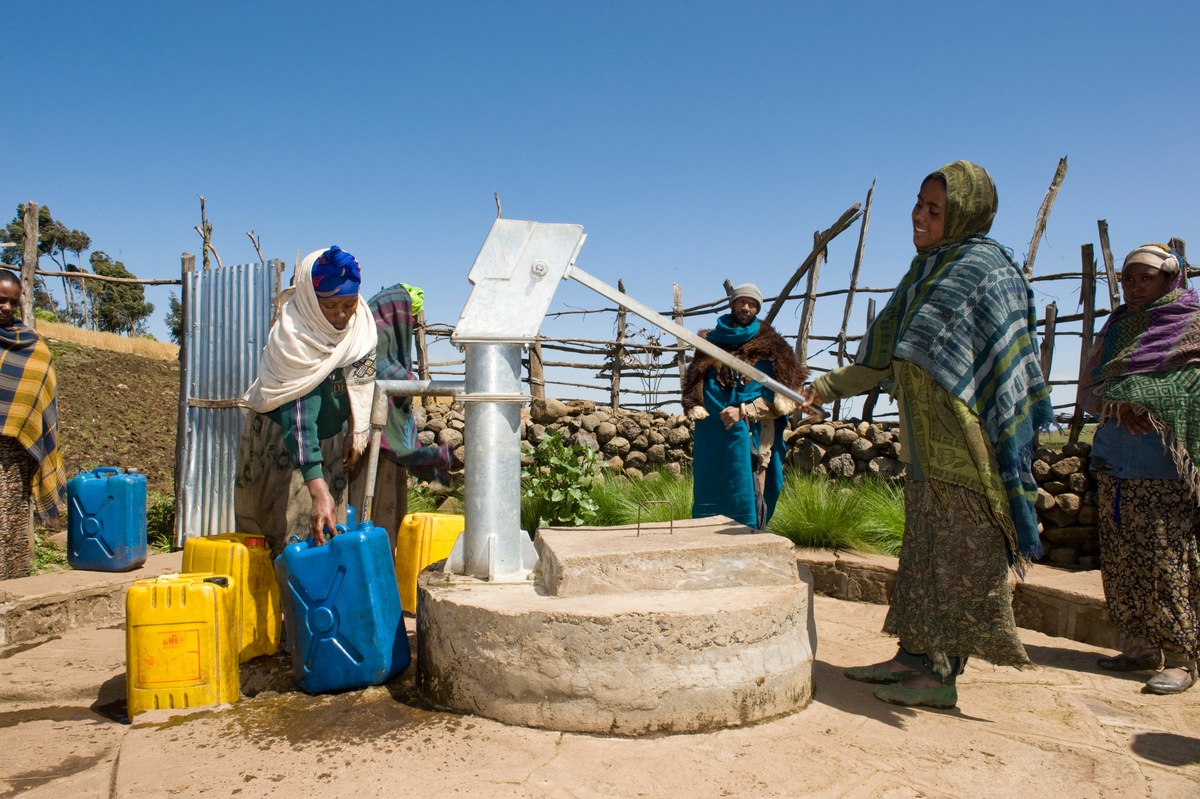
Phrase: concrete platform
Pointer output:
(693, 626)
(687, 555)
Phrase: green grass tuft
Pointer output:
(866, 517)
(421, 499)
(160, 522)
(618, 498)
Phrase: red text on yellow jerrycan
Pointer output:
(247, 559)
(181, 642)
(423, 538)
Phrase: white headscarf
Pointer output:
(303, 348)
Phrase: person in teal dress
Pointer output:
(737, 441)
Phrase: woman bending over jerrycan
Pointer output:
(317, 373)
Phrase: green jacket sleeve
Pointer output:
(299, 422)
(849, 380)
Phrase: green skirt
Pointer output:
(952, 597)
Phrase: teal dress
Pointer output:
(724, 461)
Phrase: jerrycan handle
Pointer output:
(100, 471)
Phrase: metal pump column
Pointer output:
(514, 276)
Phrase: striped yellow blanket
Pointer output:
(29, 412)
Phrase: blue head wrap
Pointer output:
(336, 273)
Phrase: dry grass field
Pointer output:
(143, 347)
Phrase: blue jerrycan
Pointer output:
(341, 610)
(106, 520)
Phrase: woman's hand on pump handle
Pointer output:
(812, 400)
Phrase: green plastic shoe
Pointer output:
(878, 674)
(941, 696)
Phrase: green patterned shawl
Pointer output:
(964, 313)
(1151, 358)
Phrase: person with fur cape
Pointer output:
(737, 443)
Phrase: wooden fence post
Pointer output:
(677, 317)
(873, 394)
(1114, 285)
(1048, 330)
(1087, 296)
(1044, 213)
(618, 354)
(810, 302)
(187, 314)
(29, 262)
(537, 370)
(422, 354)
(277, 267)
(1180, 246)
(858, 255)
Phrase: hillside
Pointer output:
(117, 409)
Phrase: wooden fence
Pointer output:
(637, 354)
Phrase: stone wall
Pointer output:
(1066, 506)
(635, 443)
(845, 449)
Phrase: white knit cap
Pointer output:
(1155, 256)
(747, 290)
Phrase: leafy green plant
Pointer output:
(160, 521)
(556, 487)
(46, 556)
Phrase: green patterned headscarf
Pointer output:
(971, 201)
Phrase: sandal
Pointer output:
(878, 674)
(938, 696)
(1167, 682)
(1148, 661)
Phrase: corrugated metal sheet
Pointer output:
(227, 314)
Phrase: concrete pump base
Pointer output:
(626, 632)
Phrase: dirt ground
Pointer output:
(1064, 729)
(117, 409)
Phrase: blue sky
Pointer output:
(694, 141)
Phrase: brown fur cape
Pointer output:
(766, 346)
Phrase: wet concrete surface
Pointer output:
(1063, 729)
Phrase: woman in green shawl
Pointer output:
(956, 346)
(1142, 378)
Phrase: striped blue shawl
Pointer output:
(964, 313)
